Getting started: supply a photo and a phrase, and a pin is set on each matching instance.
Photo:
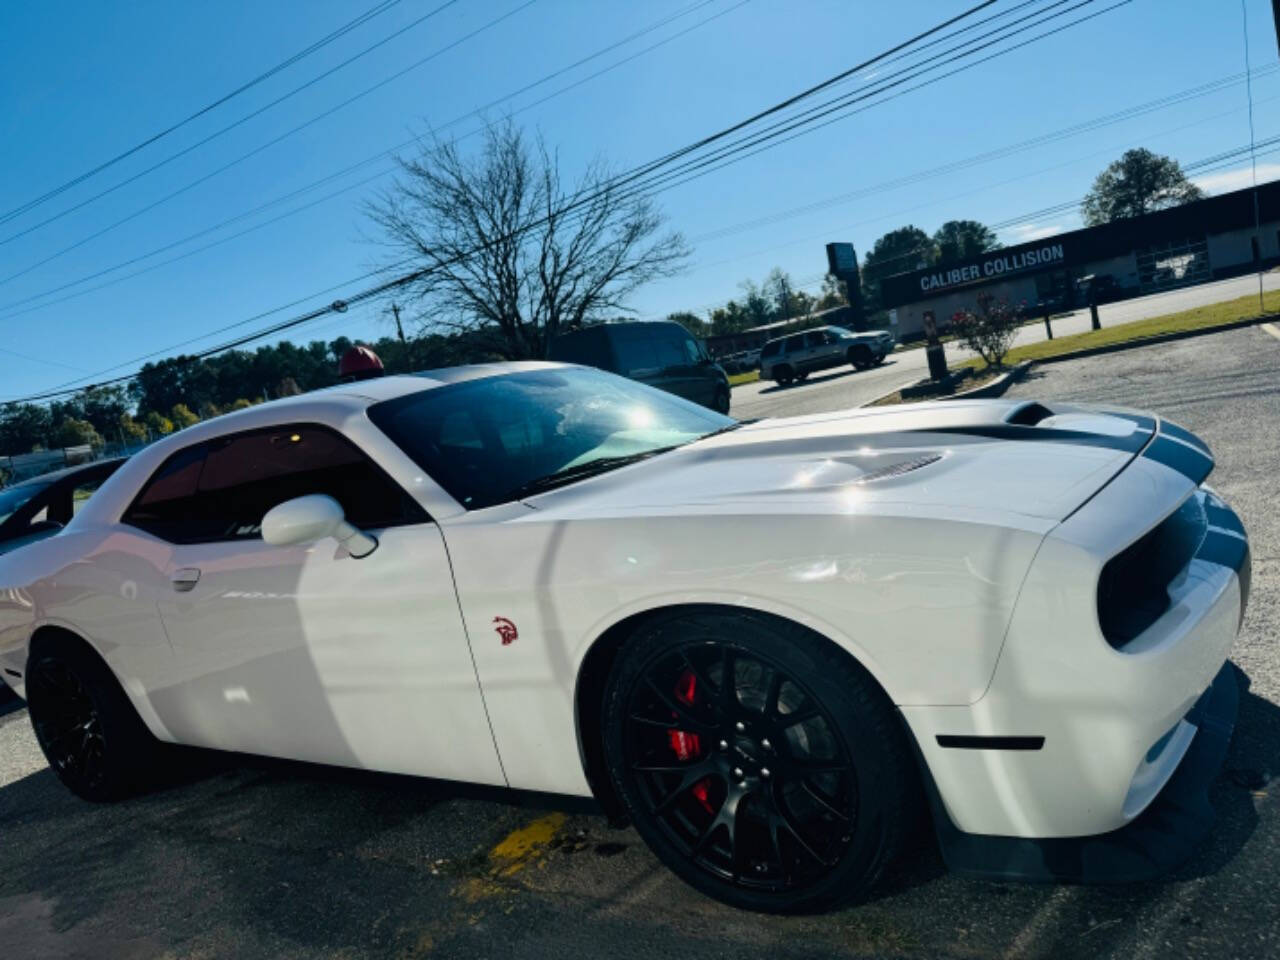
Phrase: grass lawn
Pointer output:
(1213, 315)
(749, 376)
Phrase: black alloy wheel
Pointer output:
(67, 723)
(742, 776)
(88, 730)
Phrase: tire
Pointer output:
(880, 359)
(85, 725)
(691, 762)
(721, 402)
(860, 357)
(783, 375)
(802, 375)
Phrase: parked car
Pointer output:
(43, 505)
(797, 355)
(662, 354)
(762, 643)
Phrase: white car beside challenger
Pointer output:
(768, 645)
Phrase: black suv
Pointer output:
(662, 354)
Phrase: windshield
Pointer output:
(13, 499)
(488, 440)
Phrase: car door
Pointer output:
(794, 353)
(304, 651)
(817, 350)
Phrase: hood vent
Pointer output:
(899, 468)
(1029, 414)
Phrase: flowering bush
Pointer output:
(989, 331)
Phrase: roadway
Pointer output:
(845, 387)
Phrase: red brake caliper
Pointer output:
(687, 746)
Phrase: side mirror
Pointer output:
(311, 518)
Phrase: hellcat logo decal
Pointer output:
(506, 630)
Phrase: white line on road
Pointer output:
(1272, 329)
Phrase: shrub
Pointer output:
(989, 331)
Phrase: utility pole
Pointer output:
(396, 312)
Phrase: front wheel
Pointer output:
(761, 765)
(721, 402)
(860, 358)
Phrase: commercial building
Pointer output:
(1206, 240)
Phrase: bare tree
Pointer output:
(507, 246)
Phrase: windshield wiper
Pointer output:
(580, 472)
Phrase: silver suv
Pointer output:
(796, 356)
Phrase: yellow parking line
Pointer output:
(1272, 329)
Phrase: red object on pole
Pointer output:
(359, 363)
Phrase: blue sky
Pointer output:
(81, 81)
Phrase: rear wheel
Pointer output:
(85, 725)
(761, 766)
(860, 357)
(784, 375)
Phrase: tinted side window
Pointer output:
(814, 338)
(795, 343)
(772, 349)
(220, 490)
(669, 351)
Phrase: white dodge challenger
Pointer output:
(767, 645)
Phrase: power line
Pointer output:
(383, 154)
(270, 143)
(324, 41)
(191, 148)
(611, 185)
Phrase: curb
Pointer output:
(992, 388)
(1159, 338)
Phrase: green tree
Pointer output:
(239, 404)
(22, 427)
(1139, 182)
(690, 321)
(182, 417)
(961, 239)
(157, 423)
(898, 251)
(131, 430)
(834, 294)
(73, 433)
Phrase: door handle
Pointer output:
(184, 579)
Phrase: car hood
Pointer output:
(967, 457)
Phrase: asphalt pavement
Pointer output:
(257, 859)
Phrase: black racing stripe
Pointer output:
(1173, 430)
(1129, 444)
(1144, 423)
(1223, 517)
(990, 743)
(1192, 464)
(1222, 548)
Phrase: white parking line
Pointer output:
(1272, 329)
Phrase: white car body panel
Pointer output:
(965, 585)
